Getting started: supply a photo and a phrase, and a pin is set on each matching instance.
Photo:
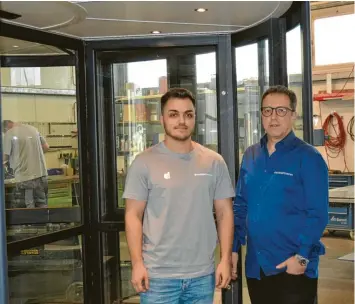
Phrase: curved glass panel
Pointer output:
(39, 138)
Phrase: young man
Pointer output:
(24, 150)
(170, 193)
(282, 205)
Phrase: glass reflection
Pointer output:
(252, 74)
(50, 273)
(138, 87)
(295, 74)
(251, 62)
(39, 138)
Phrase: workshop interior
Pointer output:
(89, 76)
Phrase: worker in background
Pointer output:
(170, 192)
(24, 149)
(281, 205)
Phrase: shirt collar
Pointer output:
(287, 141)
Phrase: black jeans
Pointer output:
(282, 288)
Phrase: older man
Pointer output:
(282, 206)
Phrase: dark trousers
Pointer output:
(282, 288)
(30, 194)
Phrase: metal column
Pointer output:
(307, 95)
(227, 113)
(3, 241)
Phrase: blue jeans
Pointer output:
(180, 291)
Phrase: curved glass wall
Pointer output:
(41, 169)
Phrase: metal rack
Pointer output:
(57, 134)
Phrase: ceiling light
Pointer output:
(201, 10)
(155, 32)
(15, 46)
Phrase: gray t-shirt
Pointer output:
(179, 232)
(23, 145)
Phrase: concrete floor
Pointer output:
(336, 277)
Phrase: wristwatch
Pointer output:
(303, 261)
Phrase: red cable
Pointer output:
(336, 143)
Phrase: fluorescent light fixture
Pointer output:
(201, 10)
(155, 32)
(15, 46)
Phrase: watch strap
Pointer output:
(302, 260)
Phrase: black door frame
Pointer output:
(99, 64)
(89, 119)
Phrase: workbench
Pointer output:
(63, 211)
(341, 210)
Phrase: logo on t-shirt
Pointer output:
(203, 174)
(283, 173)
(167, 175)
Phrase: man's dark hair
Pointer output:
(176, 93)
(5, 123)
(279, 89)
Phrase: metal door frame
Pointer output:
(225, 112)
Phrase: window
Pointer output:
(251, 63)
(249, 91)
(294, 73)
(333, 42)
(332, 25)
(25, 77)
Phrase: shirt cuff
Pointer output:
(312, 251)
(236, 245)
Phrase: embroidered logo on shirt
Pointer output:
(167, 175)
(283, 173)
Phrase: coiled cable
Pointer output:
(335, 144)
(350, 128)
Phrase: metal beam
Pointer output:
(277, 52)
(226, 110)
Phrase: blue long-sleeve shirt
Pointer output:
(281, 205)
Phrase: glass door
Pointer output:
(252, 75)
(131, 84)
(41, 186)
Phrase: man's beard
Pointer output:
(179, 138)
